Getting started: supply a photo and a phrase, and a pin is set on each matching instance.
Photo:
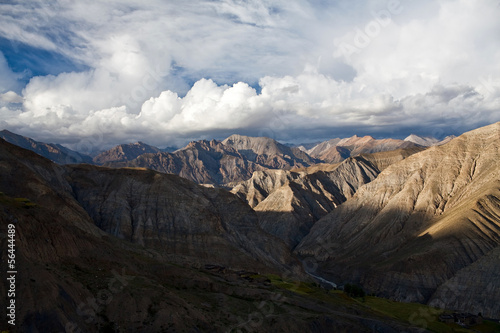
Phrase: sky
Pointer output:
(94, 74)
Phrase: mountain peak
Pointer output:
(427, 141)
(248, 139)
(269, 152)
(125, 152)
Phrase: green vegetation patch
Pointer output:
(298, 287)
(415, 314)
(16, 202)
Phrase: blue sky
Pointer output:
(94, 74)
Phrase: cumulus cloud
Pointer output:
(165, 73)
(11, 97)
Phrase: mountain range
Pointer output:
(220, 162)
(337, 150)
(107, 250)
(412, 224)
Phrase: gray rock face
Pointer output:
(204, 162)
(419, 224)
(218, 163)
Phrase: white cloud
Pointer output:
(11, 97)
(426, 65)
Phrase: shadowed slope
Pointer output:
(177, 216)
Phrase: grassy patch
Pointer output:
(302, 288)
(415, 314)
(16, 202)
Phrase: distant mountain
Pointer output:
(169, 149)
(421, 140)
(305, 146)
(65, 216)
(446, 140)
(53, 152)
(125, 152)
(204, 162)
(268, 152)
(319, 148)
(427, 141)
(337, 150)
(218, 163)
(384, 159)
(426, 230)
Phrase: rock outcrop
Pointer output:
(425, 224)
(289, 202)
(382, 160)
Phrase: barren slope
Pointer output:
(420, 223)
(177, 216)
